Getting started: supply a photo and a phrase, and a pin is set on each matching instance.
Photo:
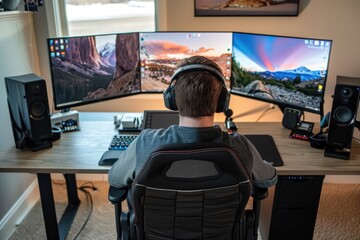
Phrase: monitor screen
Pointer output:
(94, 68)
(160, 52)
(287, 71)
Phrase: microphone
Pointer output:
(228, 113)
(229, 124)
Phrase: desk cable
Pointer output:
(271, 107)
(84, 188)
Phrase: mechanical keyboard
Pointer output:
(121, 141)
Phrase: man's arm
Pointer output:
(264, 174)
(122, 173)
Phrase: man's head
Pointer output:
(198, 87)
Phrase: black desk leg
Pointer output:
(73, 205)
(53, 229)
(48, 205)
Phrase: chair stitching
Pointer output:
(197, 190)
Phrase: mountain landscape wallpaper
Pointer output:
(284, 70)
(160, 52)
(92, 68)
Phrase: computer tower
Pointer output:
(290, 210)
(29, 111)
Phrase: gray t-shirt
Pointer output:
(123, 172)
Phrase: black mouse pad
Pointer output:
(267, 148)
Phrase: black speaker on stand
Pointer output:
(342, 121)
(29, 111)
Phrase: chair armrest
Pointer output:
(251, 226)
(259, 193)
(117, 195)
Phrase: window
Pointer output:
(108, 16)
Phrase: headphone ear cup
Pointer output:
(223, 101)
(318, 141)
(169, 98)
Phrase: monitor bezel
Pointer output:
(283, 105)
(67, 107)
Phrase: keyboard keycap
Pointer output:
(121, 141)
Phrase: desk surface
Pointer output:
(79, 152)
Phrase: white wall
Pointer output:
(18, 56)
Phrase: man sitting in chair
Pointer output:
(197, 90)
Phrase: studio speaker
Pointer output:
(29, 111)
(342, 121)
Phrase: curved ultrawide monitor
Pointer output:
(160, 52)
(93, 68)
(287, 71)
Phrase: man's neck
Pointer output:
(206, 121)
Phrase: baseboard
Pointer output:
(19, 210)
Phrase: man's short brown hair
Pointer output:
(197, 91)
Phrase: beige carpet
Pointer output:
(338, 215)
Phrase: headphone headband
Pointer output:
(198, 67)
(224, 96)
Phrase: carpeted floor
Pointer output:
(338, 215)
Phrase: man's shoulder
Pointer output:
(239, 140)
(150, 131)
(155, 133)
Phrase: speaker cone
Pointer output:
(343, 114)
(37, 110)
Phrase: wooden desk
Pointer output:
(79, 152)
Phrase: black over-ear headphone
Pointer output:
(319, 140)
(224, 97)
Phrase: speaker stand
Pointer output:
(342, 153)
(40, 145)
(33, 145)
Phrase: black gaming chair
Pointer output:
(188, 191)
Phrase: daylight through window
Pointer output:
(109, 16)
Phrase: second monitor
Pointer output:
(160, 52)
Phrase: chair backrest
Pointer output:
(190, 191)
